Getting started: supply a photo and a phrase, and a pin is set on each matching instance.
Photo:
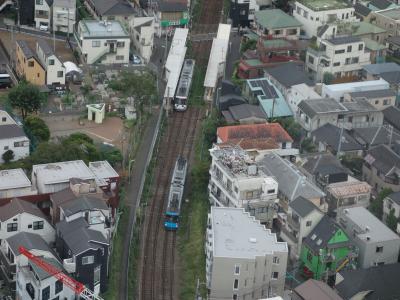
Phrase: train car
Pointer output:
(176, 194)
(185, 81)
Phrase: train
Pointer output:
(183, 89)
(176, 194)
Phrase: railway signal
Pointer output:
(80, 290)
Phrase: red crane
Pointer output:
(74, 285)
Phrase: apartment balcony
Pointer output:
(10, 267)
(69, 265)
(42, 14)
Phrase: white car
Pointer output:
(136, 60)
(44, 27)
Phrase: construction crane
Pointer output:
(82, 291)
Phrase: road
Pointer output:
(233, 54)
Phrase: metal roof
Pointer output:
(376, 69)
(313, 107)
(13, 179)
(302, 206)
(11, 131)
(290, 74)
(18, 206)
(30, 241)
(344, 40)
(274, 19)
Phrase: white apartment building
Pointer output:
(315, 13)
(298, 93)
(142, 31)
(341, 56)
(15, 183)
(13, 138)
(235, 181)
(22, 216)
(55, 70)
(43, 9)
(244, 259)
(64, 15)
(103, 42)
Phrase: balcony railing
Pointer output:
(69, 265)
(10, 267)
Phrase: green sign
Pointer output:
(174, 23)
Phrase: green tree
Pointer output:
(328, 78)
(26, 97)
(111, 154)
(282, 4)
(353, 163)
(248, 45)
(291, 126)
(38, 128)
(391, 220)
(8, 156)
(376, 206)
(307, 146)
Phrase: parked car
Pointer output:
(136, 60)
(43, 27)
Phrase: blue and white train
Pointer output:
(183, 89)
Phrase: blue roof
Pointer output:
(281, 109)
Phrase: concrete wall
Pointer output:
(92, 54)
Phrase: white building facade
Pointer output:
(43, 13)
(142, 32)
(13, 138)
(14, 183)
(55, 70)
(64, 15)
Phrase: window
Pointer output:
(275, 275)
(10, 255)
(31, 64)
(3, 119)
(120, 44)
(59, 286)
(46, 293)
(97, 272)
(349, 48)
(284, 145)
(6, 147)
(347, 62)
(249, 195)
(311, 59)
(234, 296)
(12, 227)
(39, 2)
(236, 284)
(95, 44)
(38, 75)
(354, 60)
(360, 47)
(336, 64)
(243, 12)
(237, 269)
(119, 57)
(309, 257)
(308, 223)
(87, 260)
(376, 101)
(272, 191)
(298, 10)
(30, 290)
(275, 260)
(379, 249)
(38, 225)
(51, 62)
(386, 102)
(305, 14)
(30, 226)
(317, 19)
(339, 51)
(350, 119)
(60, 74)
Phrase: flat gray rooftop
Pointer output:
(94, 28)
(13, 179)
(237, 234)
(103, 169)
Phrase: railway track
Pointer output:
(158, 270)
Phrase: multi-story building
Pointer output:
(111, 10)
(12, 137)
(377, 243)
(380, 99)
(142, 32)
(301, 218)
(64, 15)
(105, 42)
(344, 57)
(388, 19)
(314, 13)
(392, 203)
(171, 14)
(28, 65)
(15, 183)
(242, 11)
(274, 23)
(299, 92)
(55, 70)
(43, 13)
(244, 259)
(236, 181)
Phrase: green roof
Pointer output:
(253, 62)
(373, 45)
(393, 13)
(274, 19)
(251, 35)
(320, 5)
(359, 28)
(276, 43)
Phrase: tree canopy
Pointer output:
(8, 156)
(376, 206)
(26, 97)
(391, 220)
(38, 128)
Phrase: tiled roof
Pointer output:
(11, 131)
(17, 206)
(361, 9)
(275, 18)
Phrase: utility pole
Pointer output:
(68, 26)
(54, 39)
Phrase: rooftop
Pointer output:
(316, 290)
(13, 179)
(47, 50)
(361, 9)
(239, 235)
(392, 116)
(28, 240)
(302, 206)
(313, 107)
(62, 171)
(25, 48)
(359, 28)
(103, 169)
(368, 225)
(373, 45)
(275, 18)
(172, 6)
(83, 203)
(322, 164)
(344, 40)
(348, 188)
(237, 113)
(377, 69)
(320, 5)
(11, 131)
(329, 135)
(381, 4)
(43, 274)
(384, 160)
(392, 13)
(18, 206)
(113, 8)
(374, 94)
(395, 197)
(356, 85)
(290, 74)
(94, 28)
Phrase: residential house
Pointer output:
(362, 12)
(291, 182)
(326, 250)
(342, 195)
(243, 258)
(12, 137)
(85, 253)
(298, 93)
(105, 42)
(300, 220)
(64, 15)
(263, 93)
(242, 12)
(43, 13)
(274, 23)
(314, 290)
(229, 95)
(14, 183)
(28, 65)
(259, 139)
(112, 10)
(392, 117)
(11, 259)
(6, 119)
(376, 5)
(375, 136)
(335, 140)
(338, 91)
(376, 71)
(285, 76)
(314, 113)
(22, 216)
(392, 202)
(313, 13)
(235, 181)
(378, 282)
(172, 14)
(388, 19)
(55, 70)
(380, 99)
(394, 45)
(142, 32)
(381, 168)
(377, 243)
(343, 57)
(244, 114)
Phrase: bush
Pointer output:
(38, 128)
(8, 156)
